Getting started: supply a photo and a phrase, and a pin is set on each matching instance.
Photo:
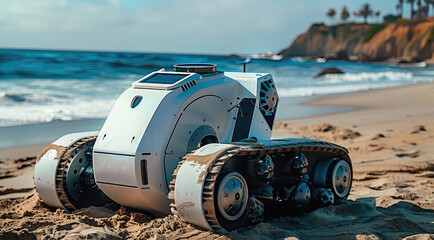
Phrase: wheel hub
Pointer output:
(341, 179)
(77, 165)
(232, 196)
(302, 195)
(265, 167)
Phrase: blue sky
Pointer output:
(183, 26)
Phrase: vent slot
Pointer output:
(143, 166)
(268, 97)
(188, 85)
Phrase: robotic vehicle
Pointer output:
(195, 142)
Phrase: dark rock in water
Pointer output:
(234, 55)
(341, 55)
(404, 61)
(331, 70)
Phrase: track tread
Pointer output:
(65, 160)
(242, 149)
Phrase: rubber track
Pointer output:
(250, 150)
(62, 169)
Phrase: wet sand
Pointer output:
(390, 136)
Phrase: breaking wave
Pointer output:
(367, 76)
(344, 83)
(31, 113)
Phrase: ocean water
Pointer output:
(39, 86)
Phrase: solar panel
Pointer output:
(163, 78)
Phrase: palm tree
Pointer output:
(398, 8)
(366, 12)
(419, 8)
(401, 5)
(331, 13)
(345, 14)
(411, 8)
(427, 6)
(377, 15)
(432, 4)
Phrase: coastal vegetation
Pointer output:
(422, 10)
(374, 29)
(366, 11)
(395, 39)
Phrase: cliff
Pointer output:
(403, 41)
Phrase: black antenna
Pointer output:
(247, 61)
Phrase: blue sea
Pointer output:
(39, 86)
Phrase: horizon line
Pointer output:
(122, 51)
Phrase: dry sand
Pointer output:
(391, 141)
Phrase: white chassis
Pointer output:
(149, 140)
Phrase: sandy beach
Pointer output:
(390, 136)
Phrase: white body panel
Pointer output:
(46, 168)
(160, 129)
(45, 178)
(69, 139)
(260, 128)
(110, 165)
(188, 194)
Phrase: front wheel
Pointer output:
(335, 174)
(232, 197)
(64, 175)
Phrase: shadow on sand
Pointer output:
(359, 219)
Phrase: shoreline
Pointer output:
(47, 132)
(300, 108)
(330, 101)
